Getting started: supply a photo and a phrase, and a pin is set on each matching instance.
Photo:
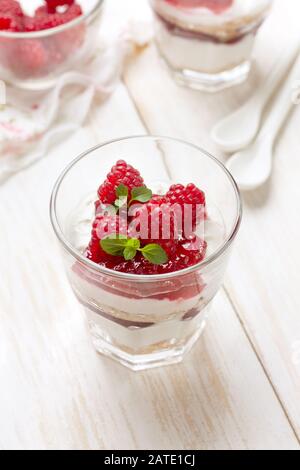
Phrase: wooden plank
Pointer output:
(56, 392)
(263, 277)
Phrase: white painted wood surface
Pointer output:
(240, 386)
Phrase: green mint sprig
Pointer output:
(119, 245)
(139, 194)
(122, 195)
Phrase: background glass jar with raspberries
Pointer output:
(41, 39)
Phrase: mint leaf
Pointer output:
(122, 195)
(129, 253)
(155, 254)
(133, 243)
(120, 245)
(122, 191)
(120, 202)
(141, 194)
(114, 244)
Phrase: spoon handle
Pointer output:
(276, 76)
(282, 105)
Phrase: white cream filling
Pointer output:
(202, 56)
(141, 309)
(147, 339)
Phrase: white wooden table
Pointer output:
(240, 386)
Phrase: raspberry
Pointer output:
(12, 17)
(11, 7)
(41, 11)
(184, 196)
(217, 6)
(180, 259)
(72, 12)
(121, 173)
(155, 221)
(52, 5)
(72, 38)
(41, 22)
(97, 207)
(103, 226)
(29, 24)
(9, 23)
(47, 19)
(32, 55)
(5, 22)
(184, 257)
(182, 253)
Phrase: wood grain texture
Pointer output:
(56, 391)
(263, 276)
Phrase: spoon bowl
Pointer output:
(252, 167)
(225, 133)
(238, 130)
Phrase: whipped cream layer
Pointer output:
(184, 53)
(242, 15)
(147, 339)
(140, 310)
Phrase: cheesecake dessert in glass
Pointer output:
(145, 253)
(207, 44)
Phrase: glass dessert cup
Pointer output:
(36, 60)
(208, 49)
(144, 321)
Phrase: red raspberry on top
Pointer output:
(73, 12)
(29, 24)
(103, 226)
(11, 7)
(11, 15)
(217, 6)
(5, 22)
(121, 173)
(43, 19)
(155, 220)
(41, 22)
(10, 23)
(180, 259)
(53, 4)
(152, 223)
(185, 196)
(42, 10)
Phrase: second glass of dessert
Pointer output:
(207, 44)
(145, 240)
(42, 39)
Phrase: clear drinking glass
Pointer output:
(144, 321)
(207, 44)
(35, 60)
